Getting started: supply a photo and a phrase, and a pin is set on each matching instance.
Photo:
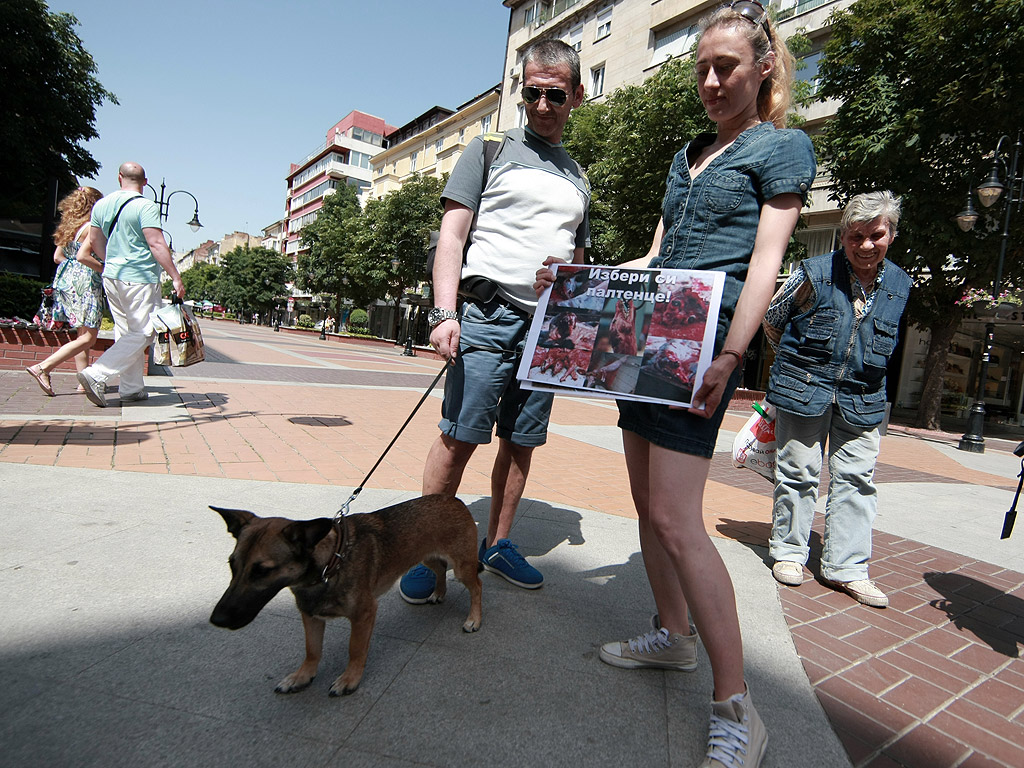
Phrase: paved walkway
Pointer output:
(283, 421)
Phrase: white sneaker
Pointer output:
(861, 590)
(736, 736)
(789, 573)
(656, 650)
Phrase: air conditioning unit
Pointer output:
(514, 72)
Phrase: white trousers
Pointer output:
(132, 306)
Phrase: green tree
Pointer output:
(331, 240)
(393, 238)
(50, 96)
(253, 279)
(926, 89)
(201, 282)
(626, 146)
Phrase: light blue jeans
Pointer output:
(852, 497)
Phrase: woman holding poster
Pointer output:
(732, 201)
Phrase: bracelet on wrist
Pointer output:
(734, 353)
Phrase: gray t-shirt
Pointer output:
(535, 205)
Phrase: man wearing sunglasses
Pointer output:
(533, 205)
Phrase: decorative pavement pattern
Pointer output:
(934, 680)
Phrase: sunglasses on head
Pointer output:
(754, 12)
(531, 95)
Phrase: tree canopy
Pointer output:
(253, 279)
(926, 88)
(202, 282)
(331, 239)
(626, 146)
(374, 253)
(50, 96)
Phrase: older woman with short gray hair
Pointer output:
(833, 326)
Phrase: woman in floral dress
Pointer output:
(77, 286)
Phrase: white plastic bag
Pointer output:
(754, 446)
(178, 341)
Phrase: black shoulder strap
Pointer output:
(118, 214)
(491, 146)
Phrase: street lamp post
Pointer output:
(164, 204)
(989, 192)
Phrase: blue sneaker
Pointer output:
(504, 559)
(417, 585)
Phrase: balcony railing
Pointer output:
(557, 8)
(802, 7)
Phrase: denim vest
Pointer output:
(826, 355)
(711, 221)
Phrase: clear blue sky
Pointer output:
(219, 96)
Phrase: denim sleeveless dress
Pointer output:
(711, 223)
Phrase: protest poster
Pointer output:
(635, 334)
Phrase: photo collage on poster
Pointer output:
(636, 334)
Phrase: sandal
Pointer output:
(42, 379)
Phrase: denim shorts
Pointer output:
(674, 428)
(481, 388)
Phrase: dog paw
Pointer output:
(435, 599)
(341, 688)
(471, 626)
(293, 684)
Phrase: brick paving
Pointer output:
(934, 680)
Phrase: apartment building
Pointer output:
(343, 158)
(432, 143)
(623, 42)
(274, 236)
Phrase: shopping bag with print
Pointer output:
(179, 343)
(754, 446)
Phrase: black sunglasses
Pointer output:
(531, 94)
(754, 12)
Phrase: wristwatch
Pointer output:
(436, 316)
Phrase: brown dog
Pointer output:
(272, 553)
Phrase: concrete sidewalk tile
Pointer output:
(925, 745)
(917, 697)
(839, 625)
(823, 657)
(980, 658)
(940, 664)
(1002, 741)
(875, 675)
(867, 703)
(997, 696)
(856, 722)
(945, 640)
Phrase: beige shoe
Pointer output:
(655, 650)
(95, 390)
(861, 590)
(789, 573)
(736, 736)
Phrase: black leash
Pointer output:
(1011, 514)
(336, 558)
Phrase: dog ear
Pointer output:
(236, 519)
(306, 534)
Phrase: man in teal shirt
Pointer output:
(127, 237)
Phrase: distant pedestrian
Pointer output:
(127, 237)
(834, 325)
(77, 286)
